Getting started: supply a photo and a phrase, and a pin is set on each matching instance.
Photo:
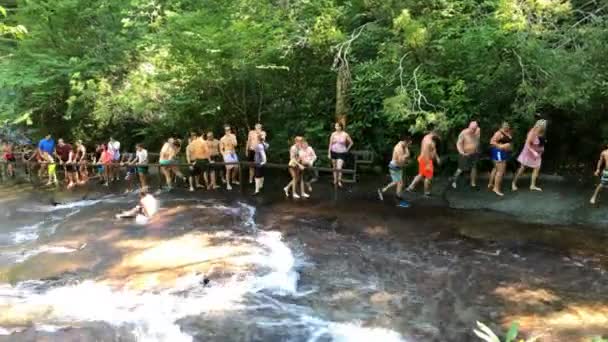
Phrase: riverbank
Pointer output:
(562, 202)
(427, 272)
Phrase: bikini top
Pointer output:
(504, 139)
(339, 143)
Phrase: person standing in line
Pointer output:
(47, 144)
(214, 151)
(199, 158)
(128, 159)
(62, 154)
(81, 161)
(468, 153)
(71, 168)
(30, 152)
(294, 168)
(114, 149)
(141, 166)
(531, 154)
(501, 143)
(252, 143)
(167, 162)
(51, 168)
(428, 154)
(260, 160)
(340, 144)
(228, 144)
(602, 172)
(9, 158)
(105, 160)
(307, 158)
(401, 155)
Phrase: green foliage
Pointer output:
(142, 69)
(487, 335)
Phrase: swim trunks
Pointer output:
(466, 163)
(499, 155)
(339, 155)
(142, 170)
(396, 172)
(165, 162)
(231, 157)
(200, 166)
(604, 179)
(425, 168)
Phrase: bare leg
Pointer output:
(415, 182)
(167, 174)
(595, 194)
(142, 181)
(339, 165)
(212, 179)
(520, 171)
(535, 173)
(106, 174)
(302, 187)
(191, 181)
(474, 176)
(228, 170)
(499, 172)
(294, 182)
(399, 191)
(427, 186)
(455, 178)
(333, 164)
(492, 180)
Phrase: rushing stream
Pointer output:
(218, 270)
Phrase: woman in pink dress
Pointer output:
(531, 154)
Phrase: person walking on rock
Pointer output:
(468, 153)
(531, 154)
(602, 172)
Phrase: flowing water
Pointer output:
(224, 270)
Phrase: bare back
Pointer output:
(428, 149)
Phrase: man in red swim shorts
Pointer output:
(428, 154)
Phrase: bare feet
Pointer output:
(514, 187)
(535, 188)
(498, 193)
(592, 201)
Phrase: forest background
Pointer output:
(141, 70)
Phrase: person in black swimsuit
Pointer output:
(501, 152)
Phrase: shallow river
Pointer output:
(272, 270)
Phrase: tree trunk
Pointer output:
(342, 95)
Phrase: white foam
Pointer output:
(27, 233)
(347, 332)
(153, 313)
(44, 249)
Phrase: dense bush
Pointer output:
(143, 69)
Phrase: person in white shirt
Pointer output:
(114, 150)
(307, 158)
(148, 207)
(141, 163)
